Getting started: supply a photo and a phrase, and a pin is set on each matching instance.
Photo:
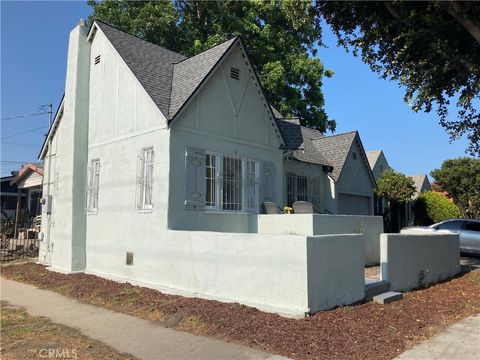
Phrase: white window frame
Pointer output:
(219, 183)
(146, 179)
(93, 186)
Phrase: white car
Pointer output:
(468, 230)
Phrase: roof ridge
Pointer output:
(201, 52)
(341, 134)
(139, 38)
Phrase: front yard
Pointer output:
(366, 331)
(25, 336)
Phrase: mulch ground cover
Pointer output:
(365, 331)
(26, 337)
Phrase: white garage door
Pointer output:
(353, 204)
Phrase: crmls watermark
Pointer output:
(59, 353)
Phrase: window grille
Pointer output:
(231, 183)
(145, 181)
(302, 188)
(211, 180)
(93, 186)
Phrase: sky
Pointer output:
(34, 43)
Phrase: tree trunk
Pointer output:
(454, 9)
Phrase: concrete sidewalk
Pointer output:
(460, 341)
(141, 338)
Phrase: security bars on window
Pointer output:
(302, 188)
(231, 183)
(93, 186)
(145, 179)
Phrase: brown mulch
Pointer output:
(372, 272)
(24, 336)
(366, 331)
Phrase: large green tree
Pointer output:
(460, 178)
(432, 48)
(395, 186)
(281, 38)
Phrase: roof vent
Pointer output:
(235, 73)
(97, 59)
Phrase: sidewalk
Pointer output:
(141, 338)
(460, 341)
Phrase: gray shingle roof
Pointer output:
(336, 148)
(189, 74)
(372, 157)
(151, 64)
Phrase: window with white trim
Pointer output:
(93, 186)
(145, 179)
(232, 183)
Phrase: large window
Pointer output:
(93, 186)
(145, 179)
(302, 188)
(231, 183)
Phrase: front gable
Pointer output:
(356, 176)
(380, 165)
(230, 104)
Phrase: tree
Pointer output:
(432, 207)
(281, 38)
(395, 186)
(460, 178)
(431, 48)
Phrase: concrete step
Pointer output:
(374, 287)
(388, 297)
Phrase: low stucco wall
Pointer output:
(321, 224)
(282, 273)
(411, 260)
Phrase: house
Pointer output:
(9, 197)
(156, 167)
(29, 182)
(421, 184)
(378, 163)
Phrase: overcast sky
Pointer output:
(34, 40)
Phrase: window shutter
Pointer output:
(267, 192)
(195, 185)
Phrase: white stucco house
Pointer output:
(149, 148)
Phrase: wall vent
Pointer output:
(129, 260)
(97, 59)
(235, 73)
(354, 156)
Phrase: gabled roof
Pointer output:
(189, 74)
(336, 148)
(27, 169)
(300, 139)
(151, 64)
(419, 180)
(372, 157)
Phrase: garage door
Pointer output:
(353, 204)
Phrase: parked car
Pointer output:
(469, 231)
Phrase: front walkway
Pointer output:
(460, 341)
(141, 338)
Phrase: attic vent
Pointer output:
(97, 59)
(129, 260)
(235, 73)
(354, 156)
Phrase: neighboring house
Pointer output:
(29, 182)
(146, 140)
(9, 197)
(422, 184)
(378, 163)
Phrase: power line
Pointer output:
(21, 144)
(22, 116)
(24, 132)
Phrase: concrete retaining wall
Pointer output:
(322, 224)
(281, 273)
(413, 260)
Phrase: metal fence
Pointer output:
(18, 240)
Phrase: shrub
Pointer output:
(432, 207)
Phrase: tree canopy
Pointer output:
(432, 207)
(280, 38)
(460, 178)
(430, 48)
(395, 186)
